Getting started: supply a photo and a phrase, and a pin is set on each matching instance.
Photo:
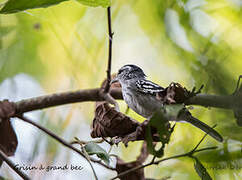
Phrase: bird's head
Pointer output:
(128, 72)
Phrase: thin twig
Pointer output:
(189, 154)
(237, 86)
(110, 37)
(159, 161)
(11, 165)
(198, 144)
(62, 141)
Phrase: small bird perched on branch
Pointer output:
(140, 95)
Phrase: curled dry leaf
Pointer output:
(110, 123)
(175, 93)
(8, 138)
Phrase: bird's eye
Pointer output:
(120, 71)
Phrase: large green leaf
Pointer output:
(13, 6)
(92, 148)
(158, 121)
(95, 3)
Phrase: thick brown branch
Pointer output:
(57, 99)
(41, 102)
(207, 100)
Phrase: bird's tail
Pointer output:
(204, 127)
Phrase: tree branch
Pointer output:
(207, 100)
(41, 102)
(159, 161)
(11, 164)
(188, 154)
(62, 141)
(57, 99)
(110, 37)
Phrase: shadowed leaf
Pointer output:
(92, 148)
(13, 6)
(164, 131)
(8, 138)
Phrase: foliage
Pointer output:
(13, 6)
(92, 148)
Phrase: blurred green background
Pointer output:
(65, 47)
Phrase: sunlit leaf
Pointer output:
(95, 3)
(92, 148)
(201, 170)
(13, 6)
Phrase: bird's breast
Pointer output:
(144, 105)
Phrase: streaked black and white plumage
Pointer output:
(148, 87)
(140, 95)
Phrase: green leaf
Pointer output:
(150, 146)
(92, 148)
(158, 121)
(13, 6)
(201, 170)
(95, 3)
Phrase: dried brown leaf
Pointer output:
(8, 138)
(110, 123)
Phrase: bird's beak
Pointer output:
(114, 80)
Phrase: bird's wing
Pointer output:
(148, 87)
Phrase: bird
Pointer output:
(140, 95)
